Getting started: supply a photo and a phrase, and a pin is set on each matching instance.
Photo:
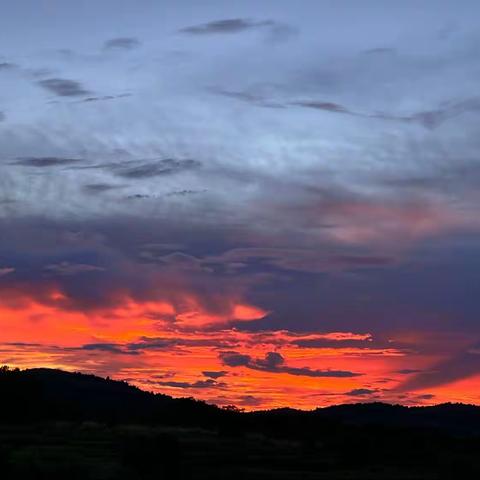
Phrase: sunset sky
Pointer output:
(254, 203)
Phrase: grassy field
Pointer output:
(88, 450)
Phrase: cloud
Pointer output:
(152, 344)
(234, 359)
(380, 51)
(195, 296)
(67, 268)
(329, 205)
(426, 396)
(168, 166)
(433, 118)
(63, 87)
(214, 375)
(122, 43)
(408, 371)
(361, 261)
(104, 97)
(299, 259)
(139, 196)
(8, 66)
(108, 348)
(326, 106)
(96, 188)
(274, 363)
(334, 343)
(459, 366)
(177, 260)
(427, 118)
(2, 116)
(360, 392)
(249, 401)
(6, 271)
(269, 96)
(45, 161)
(248, 96)
(277, 32)
(185, 193)
(231, 25)
(209, 383)
(141, 169)
(280, 32)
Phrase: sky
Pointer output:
(260, 204)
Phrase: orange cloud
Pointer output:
(167, 347)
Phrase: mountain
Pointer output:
(42, 393)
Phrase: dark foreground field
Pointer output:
(89, 450)
(56, 425)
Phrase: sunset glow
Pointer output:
(247, 205)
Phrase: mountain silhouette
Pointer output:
(42, 393)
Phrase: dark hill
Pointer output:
(48, 394)
(41, 393)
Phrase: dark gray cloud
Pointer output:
(254, 98)
(108, 348)
(326, 106)
(360, 261)
(144, 169)
(215, 375)
(330, 343)
(122, 43)
(230, 25)
(299, 259)
(185, 193)
(104, 97)
(96, 188)
(209, 383)
(152, 344)
(118, 242)
(8, 66)
(381, 51)
(249, 401)
(41, 162)
(163, 343)
(176, 260)
(64, 87)
(429, 118)
(68, 268)
(139, 196)
(276, 32)
(457, 367)
(433, 118)
(274, 362)
(235, 359)
(360, 392)
(168, 166)
(426, 396)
